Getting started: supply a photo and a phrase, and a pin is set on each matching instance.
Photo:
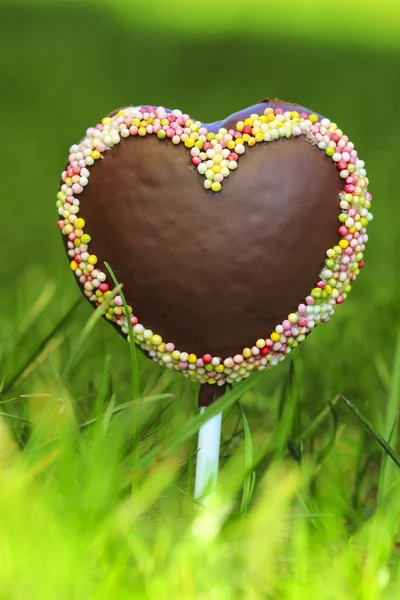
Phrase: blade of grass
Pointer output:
(42, 346)
(249, 480)
(368, 426)
(91, 322)
(132, 345)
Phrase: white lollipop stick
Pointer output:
(208, 456)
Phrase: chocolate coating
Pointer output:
(209, 272)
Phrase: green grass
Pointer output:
(89, 511)
(97, 455)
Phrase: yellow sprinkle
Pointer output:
(216, 168)
(211, 381)
(271, 117)
(294, 113)
(239, 126)
(259, 137)
(239, 141)
(275, 337)
(192, 358)
(352, 229)
(246, 137)
(268, 111)
(80, 223)
(215, 186)
(106, 120)
(92, 260)
(313, 118)
(252, 141)
(121, 113)
(176, 355)
(68, 181)
(249, 122)
(74, 265)
(189, 143)
(230, 144)
(220, 368)
(95, 154)
(343, 243)
(246, 353)
(156, 339)
(142, 131)
(328, 289)
(260, 343)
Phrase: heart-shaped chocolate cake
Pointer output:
(232, 240)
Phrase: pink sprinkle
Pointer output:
(310, 301)
(134, 320)
(212, 373)
(321, 285)
(207, 146)
(361, 264)
(302, 308)
(101, 147)
(207, 358)
(196, 160)
(104, 287)
(199, 363)
(303, 322)
(133, 130)
(238, 359)
(286, 324)
(118, 301)
(339, 300)
(170, 347)
(183, 365)
(170, 133)
(77, 188)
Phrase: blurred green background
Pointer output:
(66, 65)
